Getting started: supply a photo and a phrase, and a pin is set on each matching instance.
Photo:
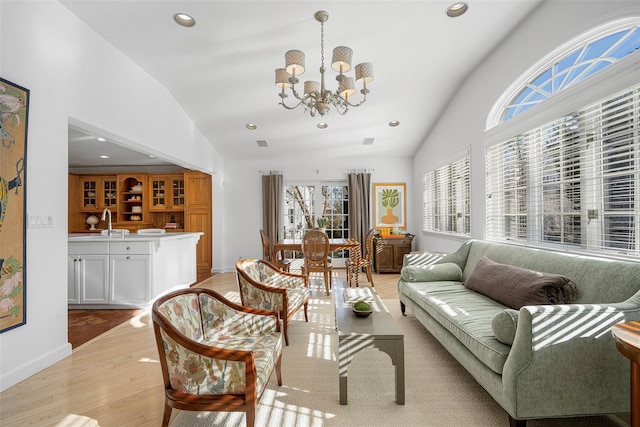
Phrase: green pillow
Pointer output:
(504, 325)
(432, 273)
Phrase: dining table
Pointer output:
(351, 245)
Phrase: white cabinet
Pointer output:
(130, 273)
(88, 279)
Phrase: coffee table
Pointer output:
(379, 330)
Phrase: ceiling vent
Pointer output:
(368, 141)
(262, 143)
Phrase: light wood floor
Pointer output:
(115, 379)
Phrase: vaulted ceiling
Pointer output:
(222, 69)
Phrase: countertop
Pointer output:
(132, 237)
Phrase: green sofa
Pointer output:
(558, 360)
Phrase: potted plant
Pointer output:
(322, 223)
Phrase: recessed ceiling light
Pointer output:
(184, 20)
(152, 156)
(104, 157)
(394, 123)
(322, 125)
(101, 139)
(457, 9)
(251, 126)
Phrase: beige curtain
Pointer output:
(272, 201)
(359, 206)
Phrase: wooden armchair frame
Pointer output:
(278, 287)
(247, 401)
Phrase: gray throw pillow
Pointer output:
(516, 287)
(504, 325)
(432, 273)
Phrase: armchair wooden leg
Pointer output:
(284, 331)
(251, 413)
(306, 314)
(167, 414)
(279, 370)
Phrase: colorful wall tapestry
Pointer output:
(14, 112)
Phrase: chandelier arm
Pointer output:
(297, 95)
(290, 108)
(354, 105)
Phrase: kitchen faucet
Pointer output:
(104, 215)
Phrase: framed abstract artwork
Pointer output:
(390, 205)
(14, 114)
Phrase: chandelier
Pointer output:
(316, 98)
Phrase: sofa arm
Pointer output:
(563, 361)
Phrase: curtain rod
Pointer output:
(314, 171)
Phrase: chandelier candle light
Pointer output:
(316, 98)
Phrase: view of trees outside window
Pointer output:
(572, 182)
(303, 206)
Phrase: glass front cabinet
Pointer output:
(167, 192)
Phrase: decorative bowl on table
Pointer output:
(361, 309)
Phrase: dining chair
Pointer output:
(355, 263)
(215, 355)
(316, 250)
(267, 254)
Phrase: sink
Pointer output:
(115, 232)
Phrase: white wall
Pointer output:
(243, 195)
(74, 75)
(463, 122)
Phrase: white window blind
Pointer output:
(446, 198)
(572, 182)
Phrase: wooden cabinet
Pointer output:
(88, 196)
(98, 192)
(198, 217)
(133, 203)
(167, 192)
(140, 200)
(389, 253)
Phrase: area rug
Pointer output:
(439, 392)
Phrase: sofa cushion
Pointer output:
(432, 273)
(465, 314)
(516, 287)
(504, 325)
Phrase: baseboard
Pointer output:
(13, 377)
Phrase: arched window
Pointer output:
(567, 173)
(564, 68)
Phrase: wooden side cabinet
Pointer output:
(389, 253)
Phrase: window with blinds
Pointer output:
(573, 182)
(446, 198)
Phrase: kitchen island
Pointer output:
(128, 270)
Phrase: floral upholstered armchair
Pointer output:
(215, 355)
(264, 286)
